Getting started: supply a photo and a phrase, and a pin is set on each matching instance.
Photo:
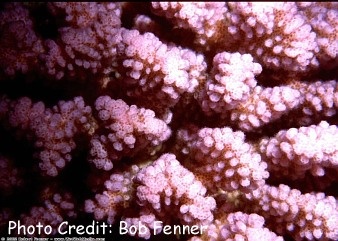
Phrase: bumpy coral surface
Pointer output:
(169, 120)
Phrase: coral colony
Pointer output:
(169, 121)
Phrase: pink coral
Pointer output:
(169, 189)
(233, 79)
(118, 195)
(53, 212)
(130, 130)
(290, 46)
(293, 152)
(86, 42)
(255, 28)
(222, 159)
(19, 44)
(221, 115)
(265, 105)
(149, 66)
(323, 19)
(53, 129)
(238, 226)
(10, 176)
(310, 215)
(201, 17)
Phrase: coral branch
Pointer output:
(168, 117)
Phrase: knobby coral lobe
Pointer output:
(170, 115)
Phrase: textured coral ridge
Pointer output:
(217, 115)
